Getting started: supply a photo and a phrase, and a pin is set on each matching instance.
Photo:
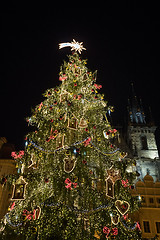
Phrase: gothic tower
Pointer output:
(141, 139)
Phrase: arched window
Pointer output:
(144, 143)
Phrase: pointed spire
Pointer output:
(136, 112)
(151, 120)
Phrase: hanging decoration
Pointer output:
(63, 96)
(87, 141)
(97, 235)
(109, 188)
(32, 215)
(77, 70)
(69, 164)
(62, 78)
(83, 123)
(53, 135)
(60, 141)
(19, 189)
(122, 206)
(115, 217)
(113, 176)
(125, 183)
(110, 231)
(69, 184)
(72, 123)
(17, 155)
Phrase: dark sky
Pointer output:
(122, 43)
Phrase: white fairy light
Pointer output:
(74, 46)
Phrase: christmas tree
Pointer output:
(72, 180)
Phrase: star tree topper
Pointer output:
(74, 46)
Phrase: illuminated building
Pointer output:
(149, 213)
(141, 140)
(7, 166)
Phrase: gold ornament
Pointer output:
(83, 123)
(72, 123)
(97, 235)
(19, 189)
(60, 141)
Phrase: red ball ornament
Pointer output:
(46, 180)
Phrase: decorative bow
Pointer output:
(98, 86)
(52, 136)
(87, 142)
(125, 183)
(17, 155)
(69, 184)
(32, 215)
(107, 231)
(62, 78)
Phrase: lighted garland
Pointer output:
(74, 144)
(127, 227)
(10, 223)
(102, 207)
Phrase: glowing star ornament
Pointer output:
(74, 46)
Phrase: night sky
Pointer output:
(122, 43)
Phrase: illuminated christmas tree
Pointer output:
(72, 180)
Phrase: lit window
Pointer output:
(151, 200)
(146, 227)
(158, 200)
(158, 227)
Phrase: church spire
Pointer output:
(135, 109)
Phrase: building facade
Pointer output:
(7, 166)
(141, 139)
(149, 213)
